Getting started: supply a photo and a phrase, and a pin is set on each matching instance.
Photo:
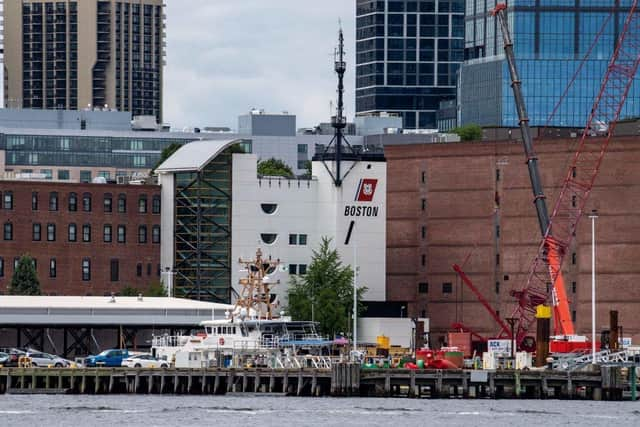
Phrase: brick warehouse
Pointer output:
(87, 239)
(450, 201)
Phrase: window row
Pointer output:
(423, 288)
(114, 272)
(85, 202)
(73, 229)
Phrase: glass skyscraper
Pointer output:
(550, 38)
(407, 57)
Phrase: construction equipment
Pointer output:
(559, 229)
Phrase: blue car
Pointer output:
(109, 358)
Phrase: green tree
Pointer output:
(326, 291)
(274, 167)
(468, 132)
(25, 278)
(166, 153)
(156, 289)
(307, 167)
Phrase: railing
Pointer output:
(602, 357)
(171, 340)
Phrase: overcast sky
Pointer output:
(225, 57)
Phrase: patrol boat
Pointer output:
(250, 335)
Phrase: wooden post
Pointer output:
(245, 382)
(272, 382)
(216, 383)
(438, 383)
(176, 383)
(300, 384)
(162, 379)
(516, 376)
(492, 385)
(387, 384)
(412, 383)
(285, 382)
(569, 386)
(633, 382)
(465, 385)
(256, 382)
(314, 383)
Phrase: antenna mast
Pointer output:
(338, 122)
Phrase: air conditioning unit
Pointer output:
(122, 179)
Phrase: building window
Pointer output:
(73, 233)
(268, 238)
(8, 231)
(423, 232)
(148, 269)
(108, 202)
(302, 239)
(423, 260)
(574, 258)
(85, 176)
(574, 287)
(106, 233)
(139, 269)
(303, 149)
(1, 267)
(63, 175)
(269, 208)
(115, 270)
(122, 234)
(142, 234)
(293, 239)
(302, 269)
(424, 177)
(73, 202)
(142, 204)
(497, 174)
(53, 201)
(155, 205)
(497, 231)
(86, 233)
(86, 202)
(86, 269)
(51, 232)
(155, 234)
(293, 269)
(497, 287)
(122, 203)
(7, 200)
(52, 268)
(423, 288)
(34, 201)
(36, 232)
(573, 316)
(497, 259)
(423, 204)
(447, 288)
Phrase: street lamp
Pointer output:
(593, 216)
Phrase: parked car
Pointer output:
(47, 360)
(14, 356)
(144, 361)
(4, 358)
(111, 358)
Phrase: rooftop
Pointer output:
(195, 156)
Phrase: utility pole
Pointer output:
(593, 216)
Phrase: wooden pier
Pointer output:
(344, 379)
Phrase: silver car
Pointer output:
(47, 360)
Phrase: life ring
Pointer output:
(221, 341)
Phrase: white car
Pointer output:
(47, 360)
(144, 361)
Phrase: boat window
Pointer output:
(208, 331)
(219, 329)
(224, 330)
(234, 330)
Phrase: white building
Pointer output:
(217, 210)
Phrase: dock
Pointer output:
(343, 379)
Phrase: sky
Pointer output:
(225, 57)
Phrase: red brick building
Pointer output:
(87, 239)
(447, 202)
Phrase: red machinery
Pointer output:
(559, 229)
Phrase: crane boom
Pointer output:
(582, 171)
(554, 259)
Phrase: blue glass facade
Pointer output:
(551, 38)
(407, 57)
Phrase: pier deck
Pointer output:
(343, 379)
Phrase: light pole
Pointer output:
(355, 297)
(593, 216)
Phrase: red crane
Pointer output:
(579, 179)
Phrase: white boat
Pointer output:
(249, 335)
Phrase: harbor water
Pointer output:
(186, 411)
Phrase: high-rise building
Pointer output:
(550, 39)
(407, 57)
(69, 54)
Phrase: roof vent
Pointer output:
(139, 297)
(113, 297)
